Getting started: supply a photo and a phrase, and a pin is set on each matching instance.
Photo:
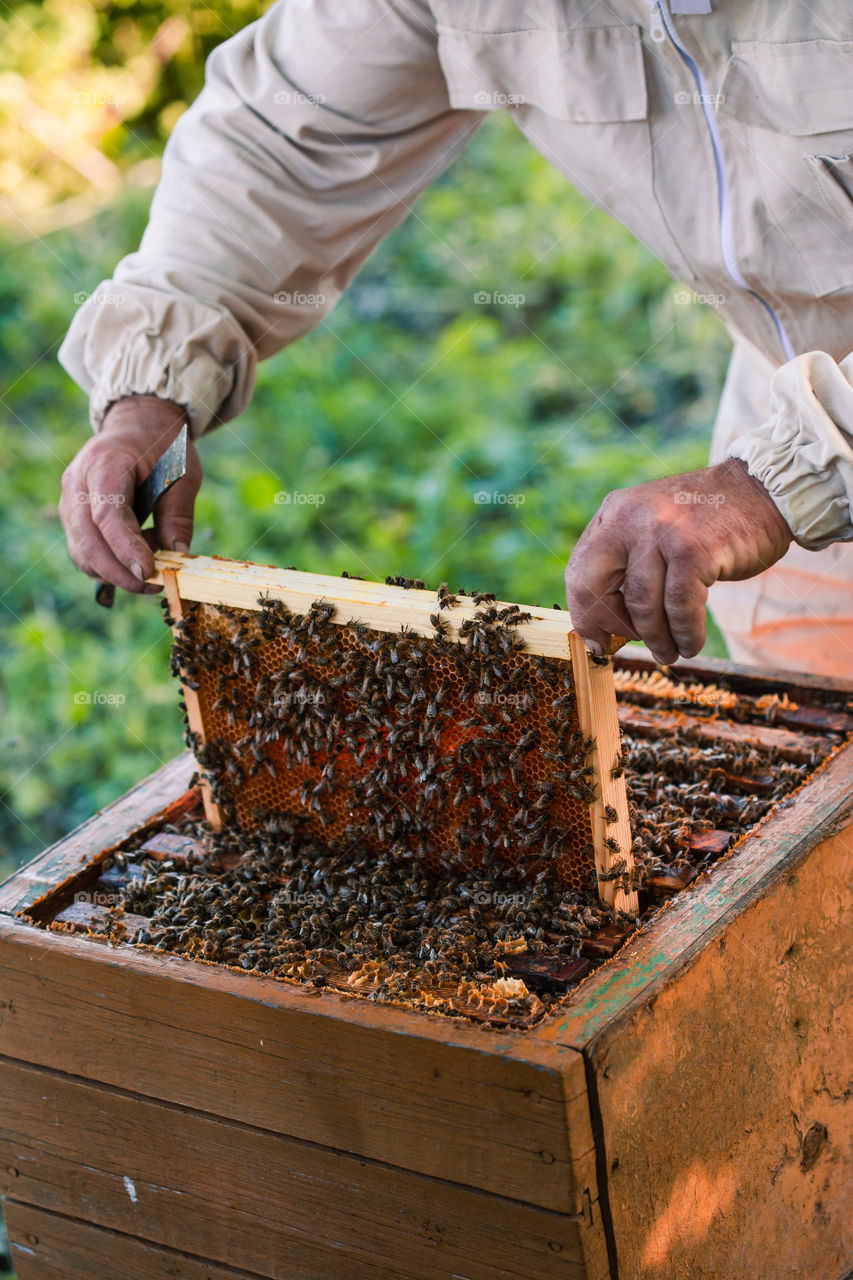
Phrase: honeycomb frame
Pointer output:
(236, 698)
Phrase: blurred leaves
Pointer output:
(89, 90)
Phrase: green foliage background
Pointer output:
(411, 399)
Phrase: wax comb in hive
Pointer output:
(452, 728)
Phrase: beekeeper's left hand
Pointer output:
(644, 563)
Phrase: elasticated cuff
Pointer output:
(144, 370)
(800, 455)
(128, 339)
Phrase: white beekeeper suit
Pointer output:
(720, 134)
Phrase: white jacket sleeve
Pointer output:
(803, 454)
(315, 129)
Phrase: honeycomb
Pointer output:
(458, 754)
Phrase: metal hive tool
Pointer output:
(455, 729)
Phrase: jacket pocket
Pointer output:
(834, 177)
(579, 95)
(593, 75)
(788, 111)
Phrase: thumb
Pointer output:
(173, 514)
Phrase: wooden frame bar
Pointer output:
(195, 720)
(599, 720)
(240, 584)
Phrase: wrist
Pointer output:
(747, 490)
(139, 410)
(146, 424)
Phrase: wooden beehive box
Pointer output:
(686, 1113)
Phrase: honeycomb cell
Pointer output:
(457, 753)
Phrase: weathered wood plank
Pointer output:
(815, 720)
(671, 882)
(726, 1102)
(64, 860)
(642, 684)
(550, 972)
(385, 1083)
(604, 941)
(165, 846)
(93, 917)
(49, 1246)
(801, 686)
(267, 1203)
(649, 722)
(714, 841)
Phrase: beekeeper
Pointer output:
(720, 134)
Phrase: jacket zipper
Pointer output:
(661, 27)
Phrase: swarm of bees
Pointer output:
(359, 921)
(678, 789)
(452, 752)
(405, 814)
